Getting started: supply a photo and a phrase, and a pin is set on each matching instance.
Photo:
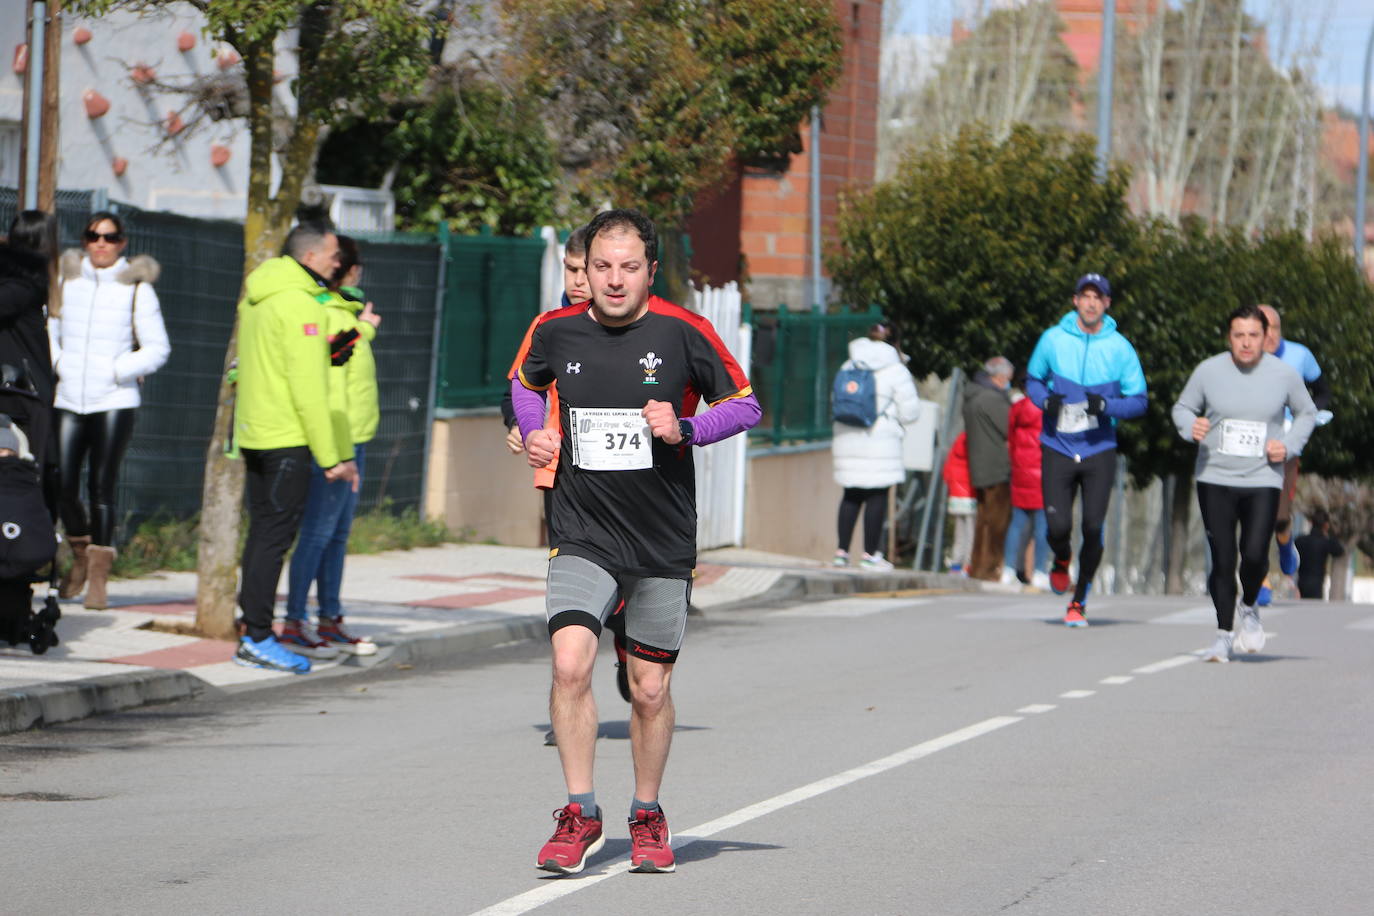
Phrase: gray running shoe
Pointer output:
(1251, 636)
(1221, 649)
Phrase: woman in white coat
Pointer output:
(107, 337)
(869, 460)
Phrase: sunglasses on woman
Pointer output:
(114, 238)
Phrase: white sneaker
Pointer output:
(841, 558)
(1041, 580)
(875, 561)
(1221, 649)
(1009, 576)
(1250, 637)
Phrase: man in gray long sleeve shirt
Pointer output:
(1233, 407)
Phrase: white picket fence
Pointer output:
(721, 467)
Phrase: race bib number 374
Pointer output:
(610, 439)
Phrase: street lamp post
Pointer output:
(1362, 181)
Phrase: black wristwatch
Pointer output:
(685, 428)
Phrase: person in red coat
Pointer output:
(1027, 497)
(962, 504)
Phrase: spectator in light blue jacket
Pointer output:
(1085, 376)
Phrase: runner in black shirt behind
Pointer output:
(1314, 549)
(631, 370)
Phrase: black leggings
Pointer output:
(874, 505)
(105, 436)
(1060, 475)
(1255, 509)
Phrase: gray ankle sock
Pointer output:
(588, 802)
(636, 804)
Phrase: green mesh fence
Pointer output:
(796, 356)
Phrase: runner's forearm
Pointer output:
(726, 419)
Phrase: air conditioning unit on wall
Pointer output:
(360, 209)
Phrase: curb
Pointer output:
(50, 704)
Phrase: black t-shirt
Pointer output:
(644, 520)
(1313, 552)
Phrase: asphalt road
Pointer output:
(917, 755)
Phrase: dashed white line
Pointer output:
(1165, 665)
(1117, 679)
(1076, 694)
(553, 890)
(1035, 708)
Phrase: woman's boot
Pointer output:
(101, 560)
(74, 579)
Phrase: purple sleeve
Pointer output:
(529, 407)
(726, 419)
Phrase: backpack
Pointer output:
(856, 397)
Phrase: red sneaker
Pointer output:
(1074, 616)
(331, 630)
(651, 842)
(1059, 577)
(575, 838)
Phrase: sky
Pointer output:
(1337, 30)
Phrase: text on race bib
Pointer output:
(610, 439)
(1243, 438)
(1074, 418)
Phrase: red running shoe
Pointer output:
(651, 842)
(331, 630)
(1059, 577)
(1075, 617)
(575, 838)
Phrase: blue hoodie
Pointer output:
(1072, 363)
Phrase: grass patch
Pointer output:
(165, 543)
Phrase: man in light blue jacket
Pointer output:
(1085, 377)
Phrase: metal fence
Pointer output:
(796, 356)
(491, 294)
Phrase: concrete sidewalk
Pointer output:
(417, 604)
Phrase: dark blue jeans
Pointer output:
(323, 542)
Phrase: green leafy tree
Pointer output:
(649, 102)
(973, 246)
(350, 56)
(472, 157)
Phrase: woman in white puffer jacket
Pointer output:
(869, 460)
(106, 338)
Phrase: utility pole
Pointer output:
(1362, 174)
(1105, 71)
(52, 108)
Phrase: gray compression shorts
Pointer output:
(580, 593)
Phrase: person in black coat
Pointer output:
(26, 374)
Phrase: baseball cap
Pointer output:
(1097, 281)
(13, 438)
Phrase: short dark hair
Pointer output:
(36, 231)
(577, 242)
(631, 220)
(305, 237)
(1247, 311)
(100, 216)
(349, 258)
(1320, 519)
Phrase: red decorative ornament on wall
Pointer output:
(81, 35)
(96, 104)
(142, 74)
(21, 57)
(174, 124)
(219, 155)
(226, 59)
(119, 165)
(185, 42)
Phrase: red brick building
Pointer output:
(757, 229)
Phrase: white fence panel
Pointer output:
(720, 468)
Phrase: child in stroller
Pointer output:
(28, 546)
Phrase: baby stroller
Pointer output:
(28, 546)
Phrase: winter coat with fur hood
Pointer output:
(104, 310)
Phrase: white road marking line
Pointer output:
(1165, 665)
(1117, 679)
(1034, 708)
(554, 889)
(1076, 694)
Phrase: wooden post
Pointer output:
(52, 106)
